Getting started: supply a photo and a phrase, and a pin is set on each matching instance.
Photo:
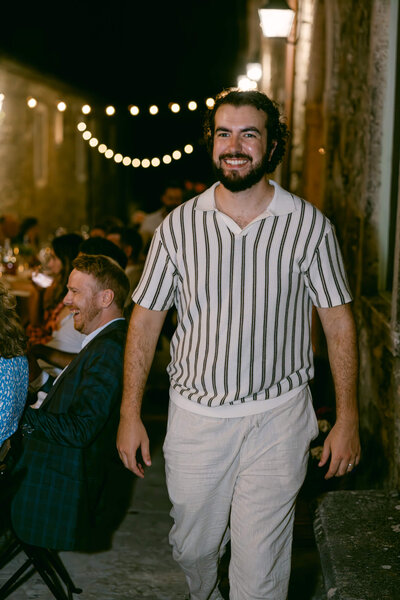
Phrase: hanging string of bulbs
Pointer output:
(127, 160)
(134, 110)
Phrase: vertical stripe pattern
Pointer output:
(243, 300)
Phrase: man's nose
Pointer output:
(67, 298)
(235, 143)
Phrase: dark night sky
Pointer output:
(136, 52)
(129, 50)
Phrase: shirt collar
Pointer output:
(92, 335)
(282, 202)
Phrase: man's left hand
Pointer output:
(343, 446)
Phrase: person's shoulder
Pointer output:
(309, 211)
(8, 364)
(115, 329)
(113, 333)
(181, 211)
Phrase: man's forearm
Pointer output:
(340, 332)
(144, 331)
(342, 444)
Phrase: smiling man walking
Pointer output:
(243, 263)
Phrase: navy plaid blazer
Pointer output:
(67, 446)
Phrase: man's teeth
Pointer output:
(236, 161)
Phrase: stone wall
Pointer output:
(43, 171)
(353, 113)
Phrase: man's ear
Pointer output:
(273, 146)
(107, 297)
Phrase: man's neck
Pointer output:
(246, 205)
(105, 318)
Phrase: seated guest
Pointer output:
(13, 369)
(114, 234)
(68, 443)
(28, 241)
(47, 309)
(131, 244)
(171, 197)
(58, 352)
(100, 245)
(101, 228)
(50, 322)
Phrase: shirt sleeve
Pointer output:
(326, 277)
(155, 290)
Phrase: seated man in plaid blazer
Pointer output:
(68, 443)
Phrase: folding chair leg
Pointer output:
(13, 582)
(52, 570)
(59, 566)
(46, 562)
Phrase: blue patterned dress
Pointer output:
(13, 391)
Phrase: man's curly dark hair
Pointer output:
(277, 130)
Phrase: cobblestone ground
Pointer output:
(139, 565)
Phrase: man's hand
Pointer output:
(132, 436)
(343, 446)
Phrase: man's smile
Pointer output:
(235, 161)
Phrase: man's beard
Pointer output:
(234, 181)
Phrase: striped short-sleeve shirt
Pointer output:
(243, 296)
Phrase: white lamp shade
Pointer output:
(276, 22)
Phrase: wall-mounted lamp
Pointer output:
(276, 19)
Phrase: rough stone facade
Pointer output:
(43, 170)
(46, 169)
(352, 108)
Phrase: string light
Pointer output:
(32, 102)
(118, 157)
(134, 110)
(135, 162)
(245, 84)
